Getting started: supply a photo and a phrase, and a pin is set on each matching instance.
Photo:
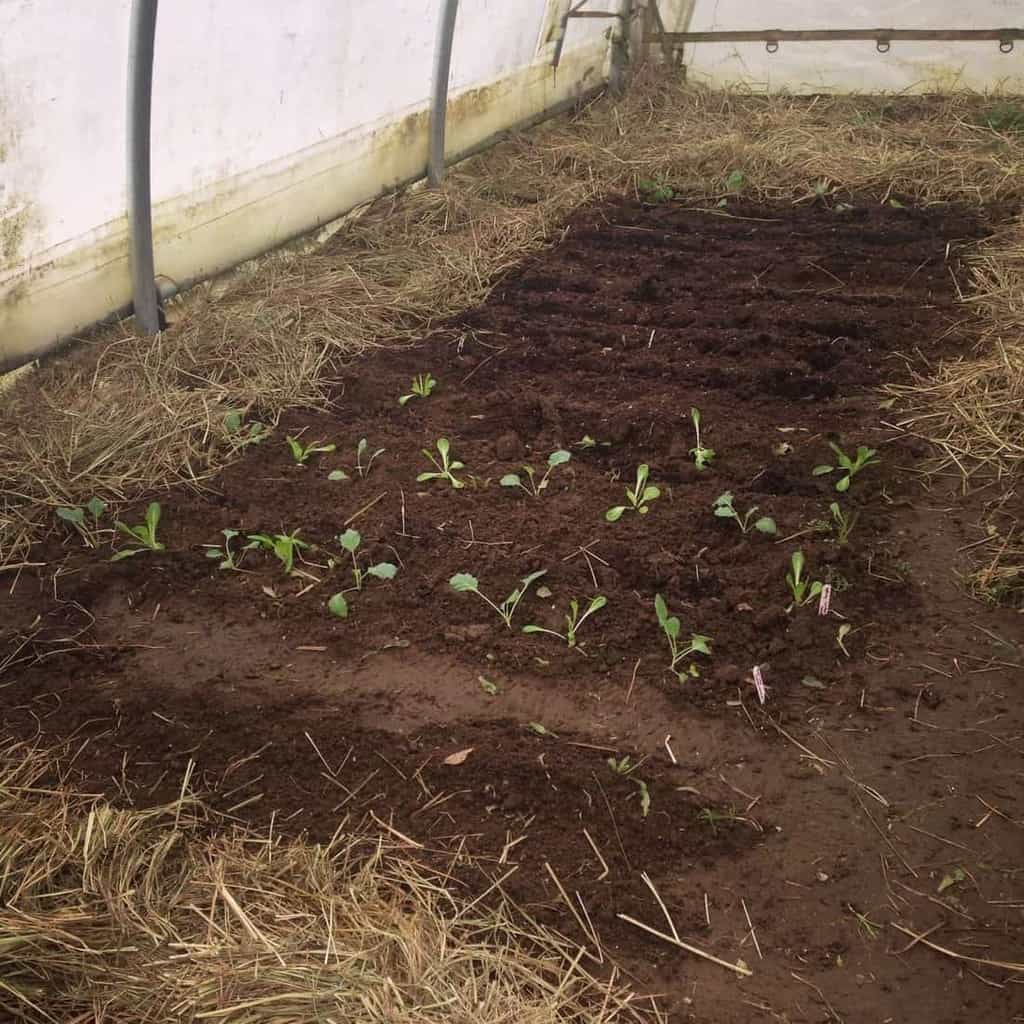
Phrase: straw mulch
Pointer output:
(130, 917)
(124, 415)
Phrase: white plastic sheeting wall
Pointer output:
(857, 66)
(270, 119)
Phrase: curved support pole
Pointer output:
(142, 35)
(439, 97)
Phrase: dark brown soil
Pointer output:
(883, 780)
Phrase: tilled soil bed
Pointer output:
(876, 788)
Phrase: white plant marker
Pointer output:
(825, 601)
(759, 683)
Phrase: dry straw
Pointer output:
(132, 917)
(120, 415)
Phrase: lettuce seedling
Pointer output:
(445, 467)
(639, 496)
(230, 559)
(301, 453)
(363, 468)
(803, 590)
(463, 582)
(422, 387)
(670, 626)
(573, 620)
(724, 510)
(865, 457)
(844, 523)
(702, 457)
(533, 486)
(283, 546)
(75, 515)
(144, 534)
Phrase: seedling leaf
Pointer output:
(383, 570)
(463, 581)
(338, 606)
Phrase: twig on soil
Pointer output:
(394, 831)
(1002, 965)
(597, 853)
(615, 824)
(671, 754)
(885, 839)
(796, 743)
(632, 682)
(707, 910)
(588, 932)
(750, 925)
(366, 508)
(821, 995)
(483, 363)
(917, 938)
(740, 969)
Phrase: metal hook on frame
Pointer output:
(1006, 46)
(882, 45)
(772, 45)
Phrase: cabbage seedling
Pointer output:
(463, 582)
(445, 467)
(724, 510)
(283, 546)
(803, 590)
(240, 435)
(363, 468)
(702, 457)
(698, 644)
(639, 496)
(75, 515)
(621, 765)
(864, 457)
(144, 535)
(230, 559)
(422, 387)
(533, 486)
(573, 620)
(586, 442)
(350, 541)
(844, 523)
(301, 453)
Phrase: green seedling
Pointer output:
(645, 796)
(283, 546)
(422, 387)
(844, 523)
(586, 442)
(724, 510)
(229, 558)
(88, 528)
(622, 765)
(841, 634)
(302, 453)
(338, 474)
(445, 467)
(803, 590)
(573, 620)
(712, 817)
(533, 486)
(362, 451)
(539, 729)
(698, 644)
(655, 191)
(866, 925)
(242, 434)
(350, 541)
(733, 185)
(864, 457)
(144, 535)
(463, 582)
(702, 457)
(639, 496)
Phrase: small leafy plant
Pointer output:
(723, 508)
(350, 541)
(422, 387)
(573, 620)
(76, 516)
(144, 535)
(463, 582)
(622, 765)
(230, 559)
(302, 453)
(851, 466)
(444, 467)
(283, 546)
(670, 626)
(844, 523)
(639, 496)
(586, 442)
(363, 452)
(242, 434)
(533, 486)
(802, 589)
(702, 457)
(655, 191)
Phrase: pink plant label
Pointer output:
(759, 683)
(825, 601)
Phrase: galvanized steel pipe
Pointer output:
(439, 97)
(141, 42)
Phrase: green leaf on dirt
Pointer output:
(954, 877)
(540, 730)
(337, 474)
(813, 682)
(338, 606)
(491, 689)
(645, 796)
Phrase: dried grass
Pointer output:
(121, 416)
(151, 916)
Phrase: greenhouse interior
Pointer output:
(511, 513)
